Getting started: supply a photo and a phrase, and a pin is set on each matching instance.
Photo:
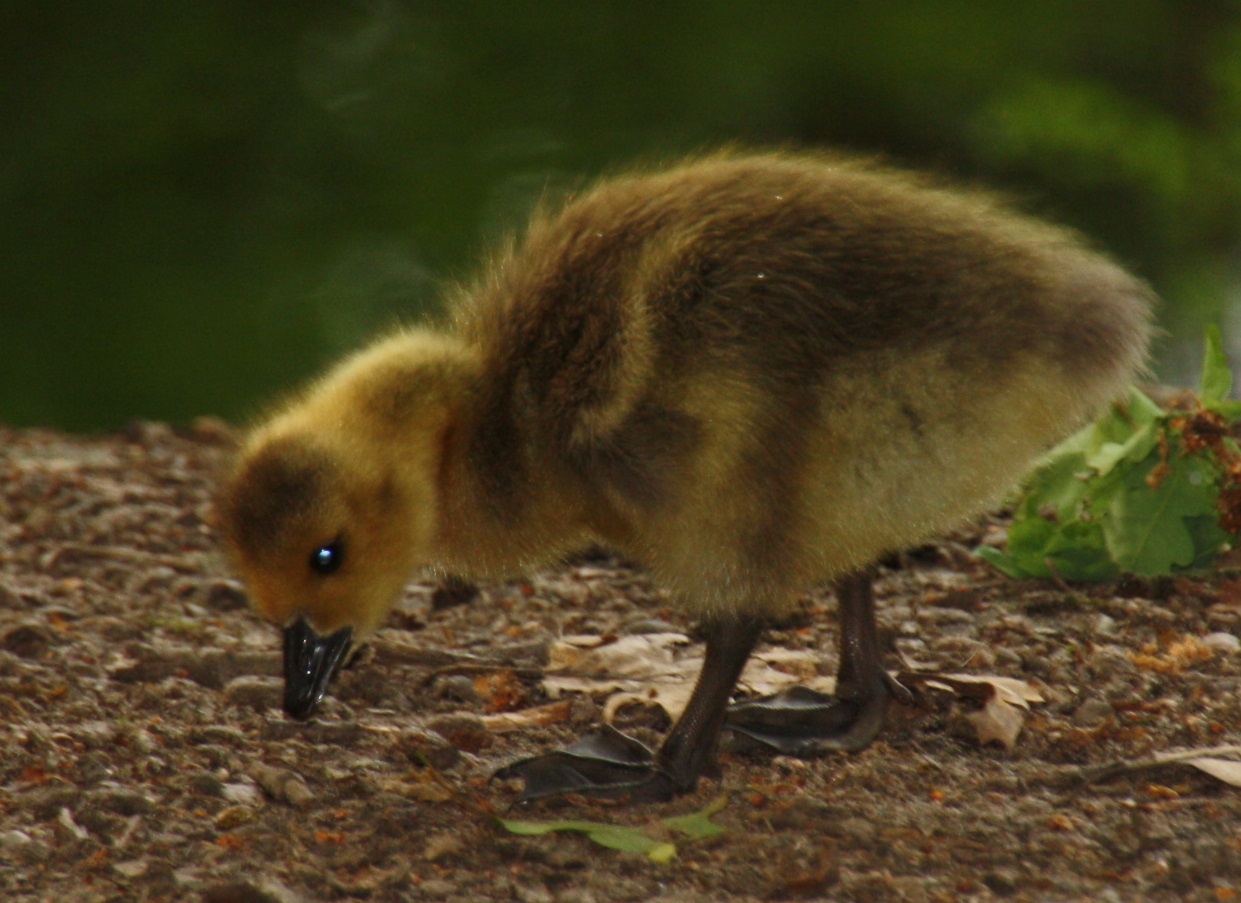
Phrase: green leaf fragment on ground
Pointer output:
(696, 826)
(614, 837)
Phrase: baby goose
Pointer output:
(751, 372)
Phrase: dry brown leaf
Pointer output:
(1226, 770)
(998, 720)
(641, 656)
(1005, 701)
(659, 669)
(1221, 762)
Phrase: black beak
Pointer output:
(310, 661)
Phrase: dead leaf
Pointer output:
(659, 670)
(640, 656)
(1221, 762)
(1226, 770)
(1005, 701)
(999, 721)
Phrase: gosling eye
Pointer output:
(328, 559)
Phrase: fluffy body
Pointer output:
(751, 373)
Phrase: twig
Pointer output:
(1093, 773)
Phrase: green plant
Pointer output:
(1144, 490)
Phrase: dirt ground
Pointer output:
(144, 756)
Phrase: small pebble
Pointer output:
(234, 817)
(435, 889)
(441, 845)
(258, 693)
(532, 893)
(282, 784)
(132, 868)
(466, 732)
(242, 794)
(1104, 625)
(1093, 712)
(14, 838)
(1222, 642)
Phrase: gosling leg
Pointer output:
(608, 764)
(803, 722)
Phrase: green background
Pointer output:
(202, 203)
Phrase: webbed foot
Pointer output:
(803, 722)
(604, 764)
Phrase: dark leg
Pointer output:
(691, 744)
(802, 722)
(609, 764)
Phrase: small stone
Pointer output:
(435, 889)
(466, 732)
(242, 794)
(204, 783)
(430, 748)
(132, 868)
(455, 687)
(1104, 624)
(264, 890)
(65, 820)
(575, 895)
(441, 845)
(1222, 642)
(45, 802)
(234, 817)
(532, 893)
(122, 801)
(282, 784)
(1002, 881)
(258, 693)
(861, 830)
(29, 641)
(1093, 712)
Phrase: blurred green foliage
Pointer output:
(202, 203)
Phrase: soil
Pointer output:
(145, 756)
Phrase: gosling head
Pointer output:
(325, 538)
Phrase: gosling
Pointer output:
(750, 372)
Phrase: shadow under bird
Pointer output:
(751, 372)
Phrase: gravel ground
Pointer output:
(144, 756)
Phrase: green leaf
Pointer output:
(1216, 376)
(1210, 539)
(614, 837)
(698, 825)
(1040, 548)
(1089, 513)
(1146, 528)
(1127, 433)
(1061, 486)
